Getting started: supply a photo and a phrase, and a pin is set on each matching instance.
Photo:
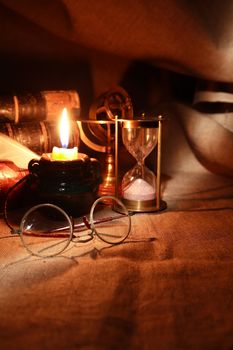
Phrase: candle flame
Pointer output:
(64, 129)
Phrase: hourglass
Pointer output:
(140, 187)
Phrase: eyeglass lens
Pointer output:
(110, 222)
(45, 230)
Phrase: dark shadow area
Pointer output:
(151, 87)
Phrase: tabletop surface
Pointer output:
(169, 284)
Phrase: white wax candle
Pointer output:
(64, 153)
(139, 190)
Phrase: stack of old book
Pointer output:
(32, 118)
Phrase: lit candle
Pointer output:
(64, 153)
(139, 190)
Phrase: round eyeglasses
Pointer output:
(46, 230)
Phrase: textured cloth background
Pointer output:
(188, 36)
(193, 38)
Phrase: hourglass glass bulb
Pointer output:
(139, 141)
(139, 183)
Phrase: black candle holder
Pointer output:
(70, 184)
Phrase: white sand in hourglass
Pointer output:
(139, 190)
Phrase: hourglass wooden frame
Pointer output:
(153, 205)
